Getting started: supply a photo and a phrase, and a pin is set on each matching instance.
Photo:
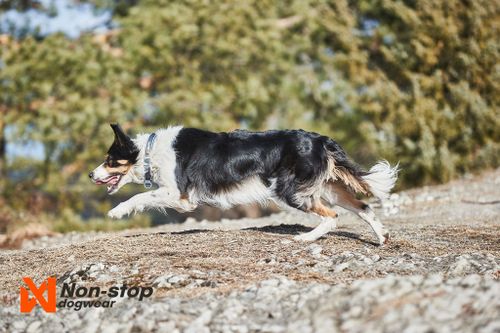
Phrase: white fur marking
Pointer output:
(381, 179)
(248, 191)
(327, 224)
(163, 158)
(100, 172)
(378, 228)
(158, 199)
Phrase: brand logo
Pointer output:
(75, 297)
(48, 286)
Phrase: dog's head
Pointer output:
(117, 169)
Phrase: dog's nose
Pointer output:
(91, 174)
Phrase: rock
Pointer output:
(470, 280)
(169, 281)
(34, 326)
(111, 328)
(493, 326)
(19, 325)
(341, 267)
(462, 265)
(200, 323)
(211, 284)
(161, 282)
(314, 249)
(176, 279)
(166, 327)
(103, 278)
(267, 261)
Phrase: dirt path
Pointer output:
(446, 234)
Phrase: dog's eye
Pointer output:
(110, 162)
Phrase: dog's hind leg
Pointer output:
(291, 192)
(326, 225)
(346, 199)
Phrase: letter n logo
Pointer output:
(48, 304)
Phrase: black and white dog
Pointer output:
(294, 168)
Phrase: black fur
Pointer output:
(214, 162)
(123, 148)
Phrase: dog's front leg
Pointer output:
(160, 198)
(137, 203)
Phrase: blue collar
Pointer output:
(148, 183)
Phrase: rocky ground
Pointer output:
(439, 273)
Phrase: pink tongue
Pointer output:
(113, 180)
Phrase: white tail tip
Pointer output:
(381, 178)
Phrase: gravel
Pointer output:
(470, 303)
(439, 273)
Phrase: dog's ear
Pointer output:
(121, 139)
(123, 147)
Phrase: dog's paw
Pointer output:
(118, 212)
(384, 239)
(305, 238)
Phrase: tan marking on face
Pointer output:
(123, 169)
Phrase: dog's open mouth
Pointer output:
(111, 182)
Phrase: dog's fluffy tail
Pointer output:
(381, 179)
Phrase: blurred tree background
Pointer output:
(415, 81)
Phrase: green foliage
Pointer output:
(419, 86)
(442, 56)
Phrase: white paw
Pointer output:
(305, 238)
(118, 212)
(384, 239)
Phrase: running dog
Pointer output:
(294, 168)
